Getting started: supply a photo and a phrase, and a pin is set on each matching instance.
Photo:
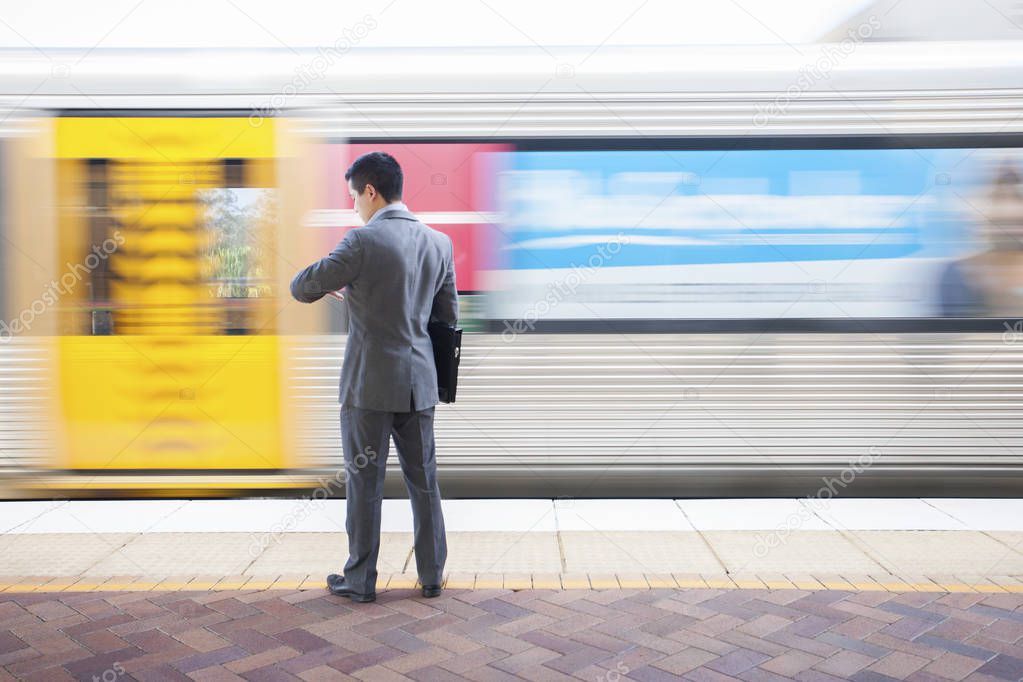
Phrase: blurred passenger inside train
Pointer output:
(990, 283)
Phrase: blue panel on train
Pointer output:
(718, 207)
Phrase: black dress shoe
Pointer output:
(430, 591)
(337, 585)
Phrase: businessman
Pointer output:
(398, 275)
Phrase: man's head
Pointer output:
(374, 180)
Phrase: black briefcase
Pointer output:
(447, 350)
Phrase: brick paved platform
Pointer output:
(652, 634)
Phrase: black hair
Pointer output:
(379, 169)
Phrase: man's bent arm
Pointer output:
(331, 273)
(445, 303)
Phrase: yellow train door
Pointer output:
(168, 355)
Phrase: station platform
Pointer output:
(863, 589)
(861, 544)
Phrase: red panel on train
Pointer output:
(450, 186)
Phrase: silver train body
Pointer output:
(743, 407)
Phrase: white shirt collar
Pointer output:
(394, 204)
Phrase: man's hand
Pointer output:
(337, 294)
(332, 273)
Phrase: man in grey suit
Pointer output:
(399, 276)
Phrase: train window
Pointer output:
(237, 221)
(193, 247)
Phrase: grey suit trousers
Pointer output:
(366, 438)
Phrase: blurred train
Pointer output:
(683, 272)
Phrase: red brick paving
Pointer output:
(604, 635)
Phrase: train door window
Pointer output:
(239, 224)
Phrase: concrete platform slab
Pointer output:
(638, 552)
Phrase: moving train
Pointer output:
(683, 271)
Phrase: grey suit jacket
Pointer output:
(400, 275)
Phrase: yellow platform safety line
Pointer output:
(258, 584)
(175, 584)
(719, 582)
(314, 582)
(659, 581)
(402, 581)
(988, 587)
(925, 585)
(235, 582)
(689, 581)
(114, 583)
(953, 586)
(489, 581)
(805, 582)
(777, 582)
(197, 585)
(54, 585)
(632, 581)
(575, 581)
(140, 585)
(995, 585)
(546, 581)
(28, 584)
(1006, 583)
(460, 581)
(893, 584)
(835, 582)
(99, 587)
(293, 582)
(747, 582)
(516, 581)
(865, 584)
(604, 581)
